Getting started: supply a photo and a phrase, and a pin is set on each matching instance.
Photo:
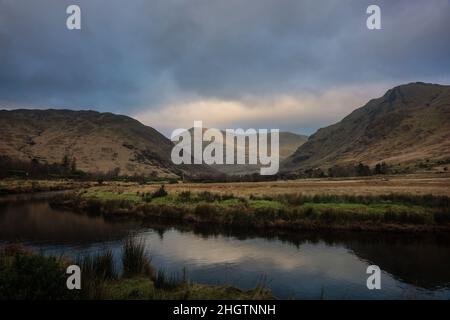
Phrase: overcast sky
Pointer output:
(290, 64)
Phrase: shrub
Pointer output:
(294, 199)
(208, 196)
(228, 196)
(147, 197)
(161, 192)
(25, 276)
(185, 196)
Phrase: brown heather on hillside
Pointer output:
(100, 142)
(407, 126)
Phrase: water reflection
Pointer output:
(293, 265)
(413, 266)
(35, 221)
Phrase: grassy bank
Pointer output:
(389, 212)
(25, 275)
(13, 186)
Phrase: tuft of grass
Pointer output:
(184, 196)
(96, 270)
(208, 196)
(162, 281)
(134, 258)
(99, 266)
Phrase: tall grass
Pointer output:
(292, 211)
(165, 282)
(427, 200)
(100, 266)
(134, 258)
(26, 275)
(96, 270)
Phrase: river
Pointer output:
(293, 265)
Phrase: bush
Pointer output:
(208, 196)
(147, 197)
(25, 276)
(228, 196)
(161, 192)
(294, 199)
(184, 196)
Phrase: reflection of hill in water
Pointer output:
(422, 260)
(37, 222)
(423, 264)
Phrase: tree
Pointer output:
(73, 165)
(65, 162)
(363, 170)
(381, 168)
(34, 166)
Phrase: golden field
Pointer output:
(415, 184)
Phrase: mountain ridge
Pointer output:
(100, 142)
(409, 123)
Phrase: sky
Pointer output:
(294, 65)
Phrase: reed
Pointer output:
(134, 258)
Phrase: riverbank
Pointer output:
(388, 212)
(25, 275)
(13, 186)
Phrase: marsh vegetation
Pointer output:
(389, 212)
(32, 276)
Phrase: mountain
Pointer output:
(100, 142)
(408, 125)
(288, 144)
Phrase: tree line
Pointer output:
(67, 168)
(37, 169)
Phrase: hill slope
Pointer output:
(409, 124)
(100, 142)
(288, 144)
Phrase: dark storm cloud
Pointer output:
(138, 54)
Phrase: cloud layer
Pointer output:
(292, 64)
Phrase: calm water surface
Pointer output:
(300, 266)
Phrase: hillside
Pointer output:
(100, 142)
(288, 144)
(408, 125)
